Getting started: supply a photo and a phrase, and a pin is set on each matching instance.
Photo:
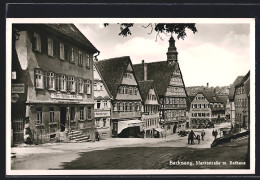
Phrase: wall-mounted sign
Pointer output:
(102, 114)
(66, 96)
(17, 88)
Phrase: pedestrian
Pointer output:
(198, 138)
(191, 137)
(202, 135)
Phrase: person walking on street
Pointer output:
(198, 138)
(202, 135)
(192, 136)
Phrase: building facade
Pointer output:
(120, 79)
(170, 86)
(231, 99)
(56, 65)
(150, 109)
(102, 107)
(206, 107)
(242, 103)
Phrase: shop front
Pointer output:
(102, 123)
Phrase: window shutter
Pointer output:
(85, 86)
(57, 83)
(76, 84)
(55, 48)
(33, 42)
(45, 82)
(35, 77)
(68, 83)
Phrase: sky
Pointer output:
(216, 54)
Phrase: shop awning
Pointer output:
(128, 123)
(159, 129)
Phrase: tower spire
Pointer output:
(172, 54)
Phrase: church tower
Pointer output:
(172, 54)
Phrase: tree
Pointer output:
(166, 28)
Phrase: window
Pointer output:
(80, 58)
(62, 54)
(97, 122)
(126, 90)
(51, 110)
(38, 79)
(131, 90)
(118, 106)
(195, 105)
(98, 104)
(87, 61)
(81, 113)
(89, 113)
(71, 84)
(80, 85)
(135, 91)
(71, 55)
(130, 107)
(39, 116)
(51, 80)
(104, 122)
(105, 105)
(50, 47)
(95, 86)
(101, 87)
(63, 83)
(126, 107)
(87, 87)
(37, 42)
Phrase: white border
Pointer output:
(10, 21)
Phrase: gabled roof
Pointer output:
(104, 83)
(68, 31)
(243, 80)
(112, 71)
(209, 95)
(72, 31)
(222, 92)
(145, 86)
(160, 72)
(232, 87)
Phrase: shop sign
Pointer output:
(66, 96)
(102, 114)
(17, 88)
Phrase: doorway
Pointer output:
(62, 118)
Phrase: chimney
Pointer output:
(145, 70)
(207, 85)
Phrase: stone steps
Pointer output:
(78, 137)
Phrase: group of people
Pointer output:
(193, 136)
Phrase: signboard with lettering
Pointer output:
(102, 114)
(17, 88)
(66, 96)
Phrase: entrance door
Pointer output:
(62, 118)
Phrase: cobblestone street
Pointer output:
(53, 155)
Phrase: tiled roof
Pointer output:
(160, 72)
(232, 87)
(145, 86)
(209, 95)
(244, 79)
(112, 71)
(222, 99)
(188, 101)
(72, 31)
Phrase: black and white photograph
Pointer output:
(100, 96)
